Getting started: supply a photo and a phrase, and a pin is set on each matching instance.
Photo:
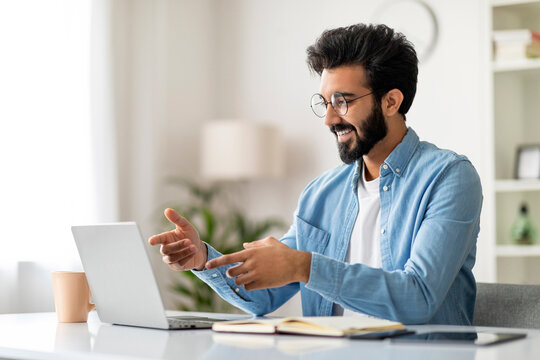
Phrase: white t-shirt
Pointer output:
(364, 245)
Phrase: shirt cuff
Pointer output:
(217, 278)
(325, 276)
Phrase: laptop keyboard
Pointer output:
(191, 322)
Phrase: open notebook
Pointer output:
(337, 326)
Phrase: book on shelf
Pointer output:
(516, 35)
(337, 326)
(517, 51)
(516, 44)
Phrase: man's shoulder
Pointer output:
(429, 153)
(413, 156)
(431, 161)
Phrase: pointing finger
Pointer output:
(163, 238)
(226, 260)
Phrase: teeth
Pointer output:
(341, 133)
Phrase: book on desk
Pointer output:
(336, 326)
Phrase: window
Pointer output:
(45, 141)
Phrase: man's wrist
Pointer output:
(205, 257)
(303, 266)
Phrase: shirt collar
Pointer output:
(399, 158)
(396, 162)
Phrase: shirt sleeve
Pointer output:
(257, 302)
(445, 239)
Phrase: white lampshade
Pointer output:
(240, 150)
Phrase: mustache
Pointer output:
(341, 127)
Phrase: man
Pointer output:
(391, 232)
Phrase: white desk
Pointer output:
(39, 336)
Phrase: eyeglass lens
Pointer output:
(319, 104)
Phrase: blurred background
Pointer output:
(105, 105)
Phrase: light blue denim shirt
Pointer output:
(430, 211)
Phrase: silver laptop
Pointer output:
(122, 281)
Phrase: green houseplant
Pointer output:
(219, 224)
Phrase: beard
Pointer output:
(373, 129)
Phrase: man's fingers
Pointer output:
(236, 270)
(184, 262)
(254, 285)
(243, 279)
(177, 257)
(254, 244)
(163, 238)
(175, 218)
(226, 260)
(260, 243)
(179, 265)
(176, 266)
(174, 247)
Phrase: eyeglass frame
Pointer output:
(331, 102)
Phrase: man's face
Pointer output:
(363, 125)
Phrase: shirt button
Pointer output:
(237, 289)
(383, 231)
(385, 166)
(397, 170)
(385, 188)
(214, 275)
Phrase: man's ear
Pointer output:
(391, 102)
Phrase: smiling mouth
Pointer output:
(343, 132)
(344, 135)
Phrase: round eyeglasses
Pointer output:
(338, 102)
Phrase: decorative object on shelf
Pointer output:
(523, 230)
(517, 44)
(528, 162)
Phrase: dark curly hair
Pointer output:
(388, 58)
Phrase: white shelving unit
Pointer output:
(502, 186)
(514, 88)
(518, 250)
(516, 65)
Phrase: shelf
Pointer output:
(512, 90)
(516, 65)
(517, 185)
(517, 250)
(499, 3)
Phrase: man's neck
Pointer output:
(376, 157)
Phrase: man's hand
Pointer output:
(265, 264)
(182, 249)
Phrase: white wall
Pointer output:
(187, 62)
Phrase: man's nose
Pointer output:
(331, 117)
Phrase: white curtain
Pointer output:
(57, 153)
(101, 101)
